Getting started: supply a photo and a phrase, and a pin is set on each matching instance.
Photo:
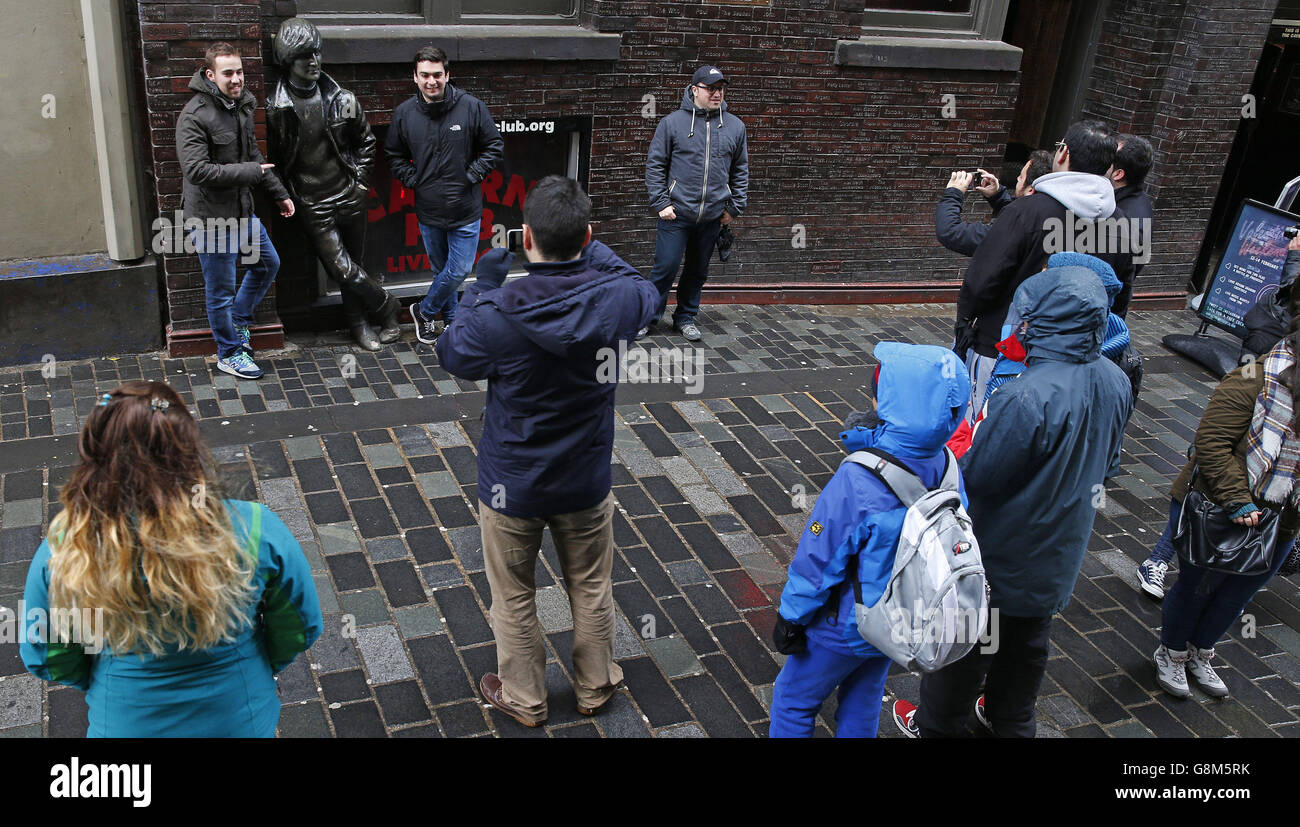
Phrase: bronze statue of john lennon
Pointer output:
(321, 143)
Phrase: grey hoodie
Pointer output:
(1088, 196)
(699, 163)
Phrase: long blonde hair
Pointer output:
(143, 534)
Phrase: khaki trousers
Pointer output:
(584, 542)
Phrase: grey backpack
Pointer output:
(936, 605)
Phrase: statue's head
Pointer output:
(297, 49)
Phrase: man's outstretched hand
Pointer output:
(492, 268)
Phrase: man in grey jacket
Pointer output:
(697, 173)
(221, 164)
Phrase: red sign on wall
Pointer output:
(534, 149)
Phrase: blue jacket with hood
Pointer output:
(548, 346)
(922, 394)
(699, 163)
(1039, 460)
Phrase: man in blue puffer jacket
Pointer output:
(922, 392)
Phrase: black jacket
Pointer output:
(964, 236)
(1016, 248)
(219, 157)
(346, 125)
(1270, 318)
(1134, 203)
(441, 151)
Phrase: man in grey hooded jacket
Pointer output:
(697, 173)
(1072, 210)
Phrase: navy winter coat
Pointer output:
(544, 343)
(1036, 469)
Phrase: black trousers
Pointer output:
(1014, 673)
(336, 228)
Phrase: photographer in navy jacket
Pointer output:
(544, 459)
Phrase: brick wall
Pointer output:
(856, 156)
(1176, 73)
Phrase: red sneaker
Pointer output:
(905, 719)
(979, 714)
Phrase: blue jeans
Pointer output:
(451, 256)
(807, 680)
(1164, 551)
(1203, 604)
(674, 240)
(219, 251)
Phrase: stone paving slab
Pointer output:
(713, 490)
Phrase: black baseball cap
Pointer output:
(707, 76)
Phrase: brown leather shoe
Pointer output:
(490, 686)
(595, 710)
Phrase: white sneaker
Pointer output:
(1198, 666)
(1171, 671)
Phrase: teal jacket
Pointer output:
(225, 691)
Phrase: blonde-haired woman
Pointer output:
(171, 607)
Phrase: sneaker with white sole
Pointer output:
(981, 715)
(426, 330)
(690, 332)
(1200, 670)
(241, 365)
(245, 339)
(1171, 671)
(905, 719)
(1151, 577)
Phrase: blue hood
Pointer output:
(921, 397)
(1065, 310)
(1109, 280)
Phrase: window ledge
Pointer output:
(378, 43)
(929, 53)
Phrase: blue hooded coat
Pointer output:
(922, 394)
(1039, 460)
(548, 346)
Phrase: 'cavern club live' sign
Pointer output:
(534, 148)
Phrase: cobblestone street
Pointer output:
(370, 460)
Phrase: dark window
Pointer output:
(978, 19)
(961, 6)
(439, 11)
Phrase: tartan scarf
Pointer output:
(1272, 449)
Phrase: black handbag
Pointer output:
(1205, 537)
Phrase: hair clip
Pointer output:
(159, 404)
(104, 400)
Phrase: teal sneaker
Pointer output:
(241, 365)
(245, 339)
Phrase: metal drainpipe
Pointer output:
(115, 152)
